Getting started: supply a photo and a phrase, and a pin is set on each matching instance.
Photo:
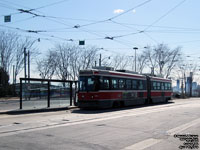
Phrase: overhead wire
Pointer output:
(139, 31)
(106, 20)
(111, 18)
(51, 4)
(94, 33)
(164, 15)
(154, 26)
(139, 5)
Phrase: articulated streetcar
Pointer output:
(105, 88)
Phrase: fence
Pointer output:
(45, 93)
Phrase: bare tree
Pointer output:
(68, 61)
(82, 58)
(120, 62)
(47, 65)
(11, 51)
(162, 59)
(8, 42)
(151, 58)
(19, 54)
(141, 62)
(63, 54)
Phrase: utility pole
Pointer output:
(100, 61)
(29, 64)
(25, 75)
(135, 48)
(95, 63)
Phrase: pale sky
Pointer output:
(131, 23)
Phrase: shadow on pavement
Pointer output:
(96, 111)
(22, 112)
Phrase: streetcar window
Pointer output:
(82, 83)
(154, 86)
(128, 84)
(162, 86)
(158, 85)
(166, 88)
(169, 86)
(88, 83)
(134, 84)
(121, 83)
(140, 85)
(114, 84)
(106, 83)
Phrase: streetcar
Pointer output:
(107, 88)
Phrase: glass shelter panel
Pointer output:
(34, 94)
(59, 94)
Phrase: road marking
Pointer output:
(183, 127)
(143, 144)
(150, 142)
(48, 125)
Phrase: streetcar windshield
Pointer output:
(88, 83)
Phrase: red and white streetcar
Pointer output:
(105, 88)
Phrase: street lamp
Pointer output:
(135, 48)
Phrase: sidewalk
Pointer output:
(9, 104)
(12, 105)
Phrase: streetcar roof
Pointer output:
(160, 79)
(119, 74)
(110, 73)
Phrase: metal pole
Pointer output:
(100, 61)
(25, 64)
(190, 86)
(135, 60)
(20, 103)
(48, 100)
(25, 75)
(135, 48)
(71, 93)
(29, 65)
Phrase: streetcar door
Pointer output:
(162, 91)
(148, 89)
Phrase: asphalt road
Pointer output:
(157, 127)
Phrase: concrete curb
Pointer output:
(19, 111)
